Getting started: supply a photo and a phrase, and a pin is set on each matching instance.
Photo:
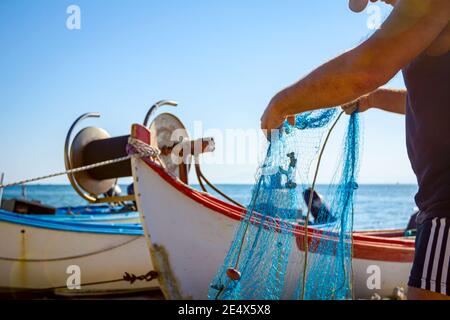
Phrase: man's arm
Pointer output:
(410, 29)
(390, 100)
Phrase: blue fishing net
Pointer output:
(291, 244)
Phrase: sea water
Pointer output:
(376, 206)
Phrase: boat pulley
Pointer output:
(94, 145)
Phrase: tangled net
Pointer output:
(290, 245)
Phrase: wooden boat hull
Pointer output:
(190, 232)
(36, 256)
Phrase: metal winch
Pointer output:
(95, 145)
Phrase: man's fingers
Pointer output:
(291, 120)
(272, 127)
(351, 108)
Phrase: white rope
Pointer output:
(142, 150)
(138, 148)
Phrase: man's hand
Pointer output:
(361, 104)
(273, 116)
(390, 100)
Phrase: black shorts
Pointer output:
(431, 268)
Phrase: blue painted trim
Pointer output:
(91, 209)
(110, 228)
(90, 217)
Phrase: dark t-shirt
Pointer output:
(427, 79)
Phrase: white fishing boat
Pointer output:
(190, 232)
(39, 256)
(99, 249)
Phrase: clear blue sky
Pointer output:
(222, 60)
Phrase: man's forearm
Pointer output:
(409, 30)
(389, 100)
(338, 81)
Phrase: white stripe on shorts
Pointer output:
(437, 255)
(444, 278)
(428, 254)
